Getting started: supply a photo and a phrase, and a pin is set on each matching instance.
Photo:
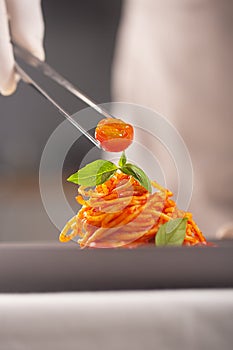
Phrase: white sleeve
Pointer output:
(26, 24)
(7, 76)
(26, 28)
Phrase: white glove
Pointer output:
(23, 21)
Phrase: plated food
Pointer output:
(121, 207)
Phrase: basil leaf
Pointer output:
(122, 160)
(94, 173)
(172, 233)
(138, 174)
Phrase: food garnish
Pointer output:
(114, 135)
(99, 171)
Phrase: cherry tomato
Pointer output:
(114, 135)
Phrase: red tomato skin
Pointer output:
(114, 135)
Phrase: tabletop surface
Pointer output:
(64, 267)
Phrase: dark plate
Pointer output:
(61, 267)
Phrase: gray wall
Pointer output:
(79, 43)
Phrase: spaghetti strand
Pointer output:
(122, 213)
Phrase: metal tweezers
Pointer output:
(48, 71)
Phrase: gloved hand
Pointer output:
(22, 21)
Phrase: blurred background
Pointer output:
(79, 43)
(173, 56)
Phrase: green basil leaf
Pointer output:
(122, 160)
(94, 173)
(172, 233)
(138, 174)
